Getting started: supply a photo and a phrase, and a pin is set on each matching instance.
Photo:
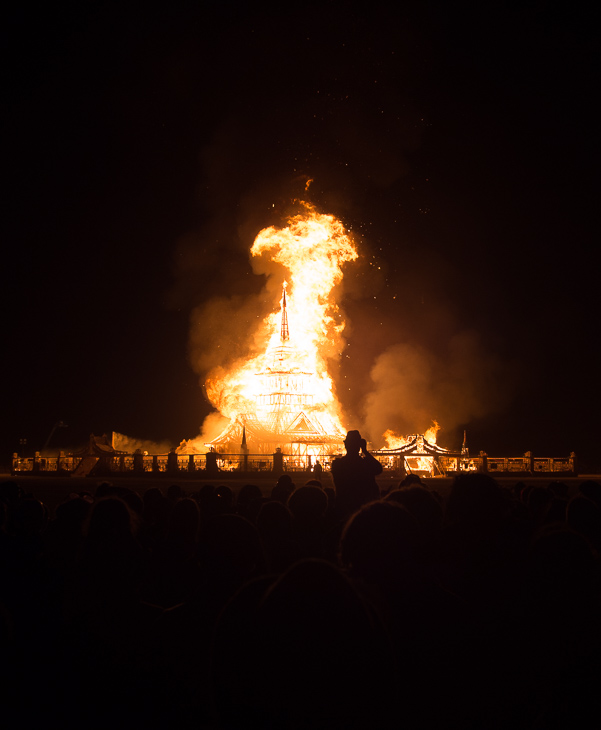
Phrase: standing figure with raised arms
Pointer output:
(354, 475)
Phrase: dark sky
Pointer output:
(143, 151)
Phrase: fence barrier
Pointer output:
(140, 463)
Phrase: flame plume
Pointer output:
(294, 342)
(395, 441)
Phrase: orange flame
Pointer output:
(394, 441)
(430, 434)
(312, 247)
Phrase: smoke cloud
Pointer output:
(222, 330)
(222, 333)
(121, 442)
(211, 427)
(413, 386)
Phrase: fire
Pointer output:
(312, 248)
(394, 441)
(415, 461)
(430, 434)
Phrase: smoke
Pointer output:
(353, 133)
(212, 426)
(222, 330)
(121, 442)
(413, 386)
(222, 333)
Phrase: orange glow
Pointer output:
(288, 372)
(420, 463)
(414, 462)
(430, 434)
(393, 440)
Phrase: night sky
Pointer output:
(143, 151)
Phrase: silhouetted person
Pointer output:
(206, 501)
(314, 483)
(283, 488)
(306, 654)
(175, 492)
(355, 475)
(584, 516)
(157, 509)
(275, 527)
(233, 554)
(64, 534)
(560, 640)
(211, 461)
(309, 505)
(427, 510)
(175, 565)
(591, 490)
(224, 500)
(172, 463)
(131, 498)
(249, 501)
(476, 548)
(411, 480)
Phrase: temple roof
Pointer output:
(301, 429)
(417, 444)
(97, 446)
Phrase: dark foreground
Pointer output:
(450, 604)
(54, 490)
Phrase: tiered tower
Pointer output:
(285, 414)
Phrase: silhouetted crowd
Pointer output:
(481, 610)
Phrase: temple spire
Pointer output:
(284, 333)
(464, 449)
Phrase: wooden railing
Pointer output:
(230, 463)
(154, 463)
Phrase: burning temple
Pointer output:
(286, 413)
(420, 454)
(281, 398)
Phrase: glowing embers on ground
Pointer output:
(283, 395)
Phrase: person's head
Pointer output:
(411, 480)
(283, 489)
(110, 521)
(308, 504)
(352, 442)
(379, 543)
(185, 519)
(313, 483)
(247, 494)
(224, 499)
(285, 480)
